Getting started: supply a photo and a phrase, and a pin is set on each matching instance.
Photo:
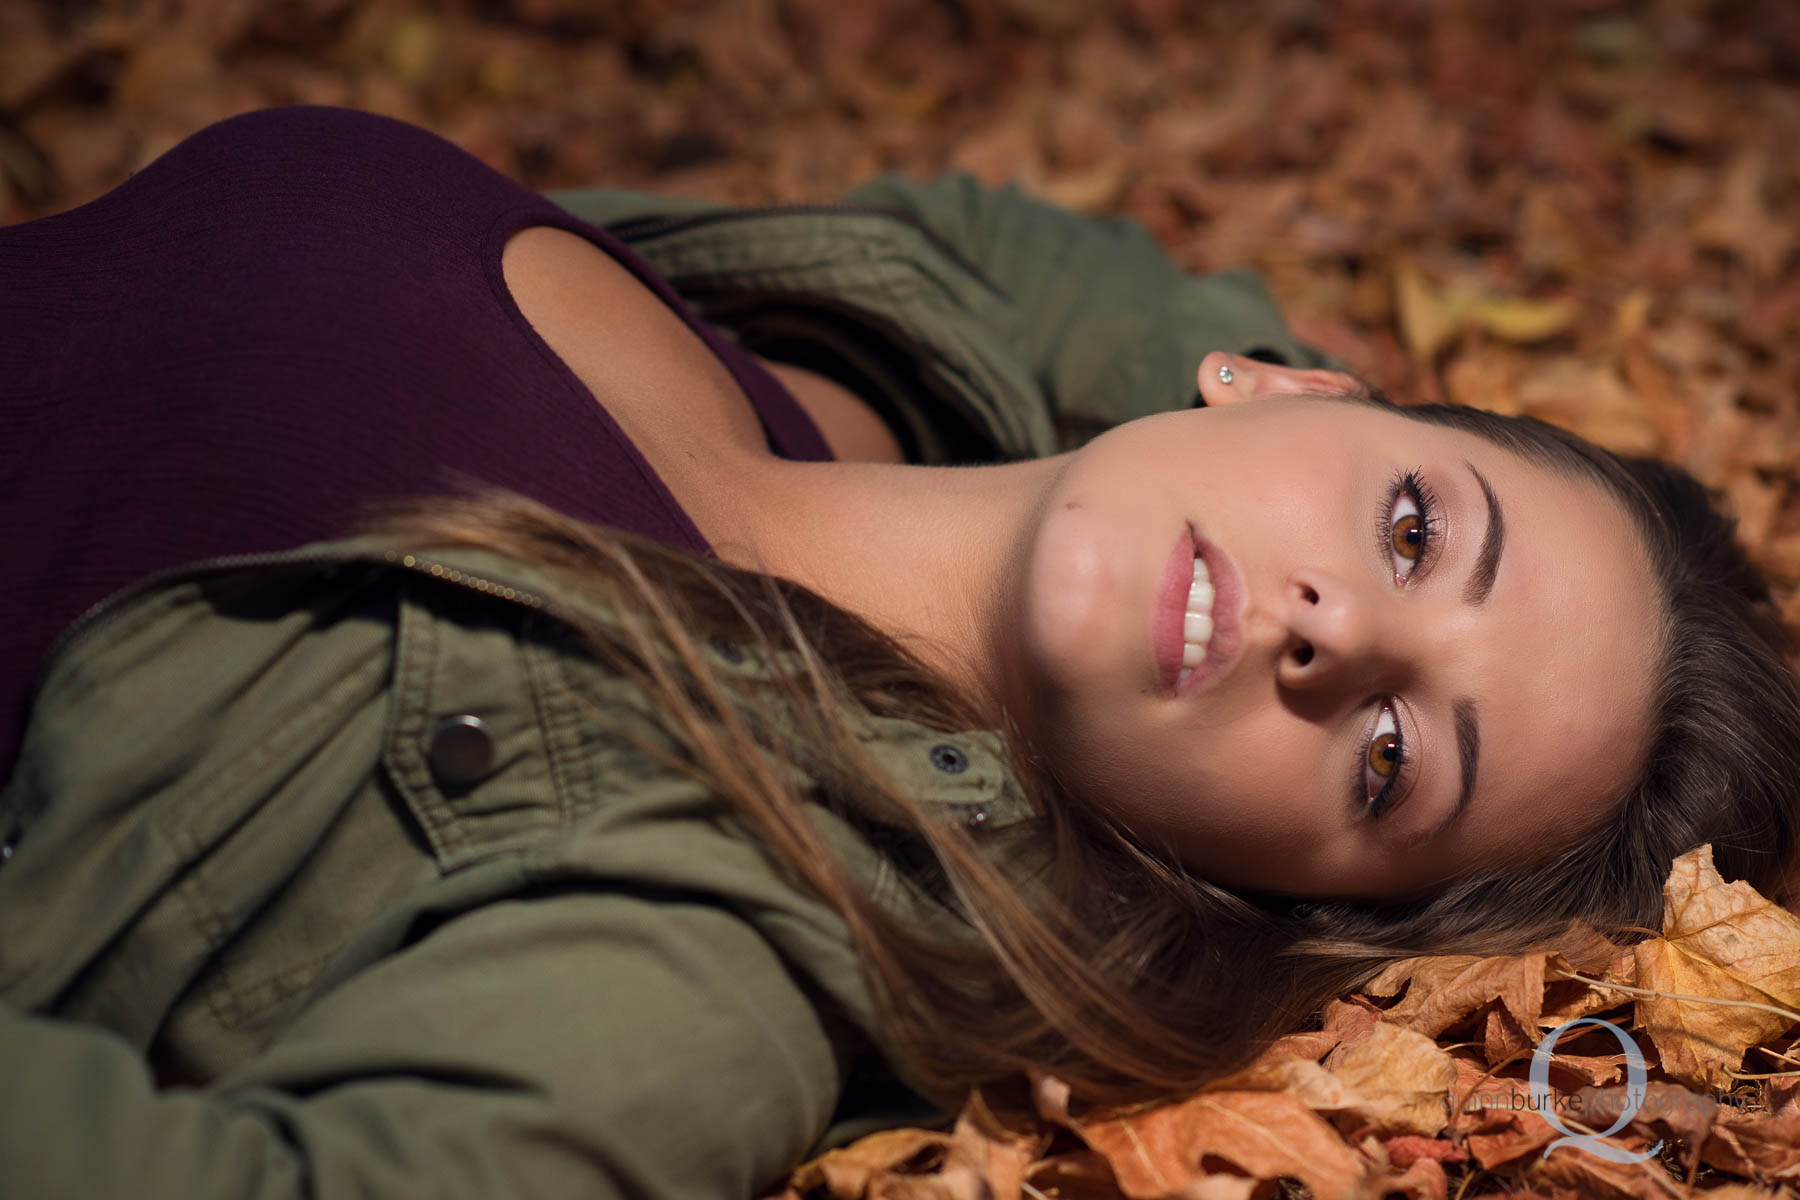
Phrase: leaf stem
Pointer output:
(1789, 1013)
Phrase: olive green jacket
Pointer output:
(319, 878)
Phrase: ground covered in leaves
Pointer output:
(1579, 209)
(1421, 1086)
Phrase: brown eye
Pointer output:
(1384, 754)
(1408, 536)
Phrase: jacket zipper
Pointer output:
(641, 229)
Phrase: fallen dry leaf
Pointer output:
(1442, 990)
(1266, 1135)
(1761, 1146)
(1720, 941)
(1402, 1078)
(1742, 222)
(845, 1173)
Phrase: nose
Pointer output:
(1335, 635)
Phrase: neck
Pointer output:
(932, 555)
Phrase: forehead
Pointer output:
(1562, 658)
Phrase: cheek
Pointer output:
(1073, 617)
(1250, 806)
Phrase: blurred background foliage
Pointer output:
(1580, 209)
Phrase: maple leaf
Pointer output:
(1721, 941)
(1443, 989)
(1265, 1135)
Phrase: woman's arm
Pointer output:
(591, 1043)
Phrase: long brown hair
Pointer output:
(1118, 970)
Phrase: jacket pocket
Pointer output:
(482, 744)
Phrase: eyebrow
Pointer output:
(1468, 751)
(1480, 587)
(1487, 561)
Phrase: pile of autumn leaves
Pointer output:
(1418, 1086)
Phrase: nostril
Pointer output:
(1304, 653)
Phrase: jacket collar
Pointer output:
(965, 770)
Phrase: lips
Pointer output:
(1227, 641)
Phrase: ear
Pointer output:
(1252, 377)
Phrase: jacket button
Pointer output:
(949, 759)
(462, 751)
(976, 818)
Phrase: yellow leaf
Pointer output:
(411, 49)
(1429, 317)
(1720, 942)
(1513, 320)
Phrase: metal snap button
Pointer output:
(727, 650)
(976, 818)
(949, 759)
(6, 847)
(462, 751)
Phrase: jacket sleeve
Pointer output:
(590, 1044)
(1114, 328)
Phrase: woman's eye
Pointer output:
(1383, 759)
(1406, 533)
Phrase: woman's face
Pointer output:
(1351, 629)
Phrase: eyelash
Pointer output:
(1407, 483)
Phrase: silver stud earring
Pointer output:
(1225, 375)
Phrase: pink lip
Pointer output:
(1226, 643)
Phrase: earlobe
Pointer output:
(1227, 378)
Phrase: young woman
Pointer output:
(478, 729)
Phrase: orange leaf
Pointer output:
(1266, 1135)
(1720, 941)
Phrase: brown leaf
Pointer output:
(1407, 1149)
(1590, 399)
(1720, 941)
(1593, 1177)
(1400, 1077)
(1486, 376)
(1741, 222)
(1076, 1175)
(846, 1172)
(1762, 1146)
(1423, 1179)
(1504, 1040)
(985, 1152)
(1266, 1135)
(1443, 989)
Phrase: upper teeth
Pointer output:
(1197, 622)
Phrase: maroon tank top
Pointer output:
(290, 313)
